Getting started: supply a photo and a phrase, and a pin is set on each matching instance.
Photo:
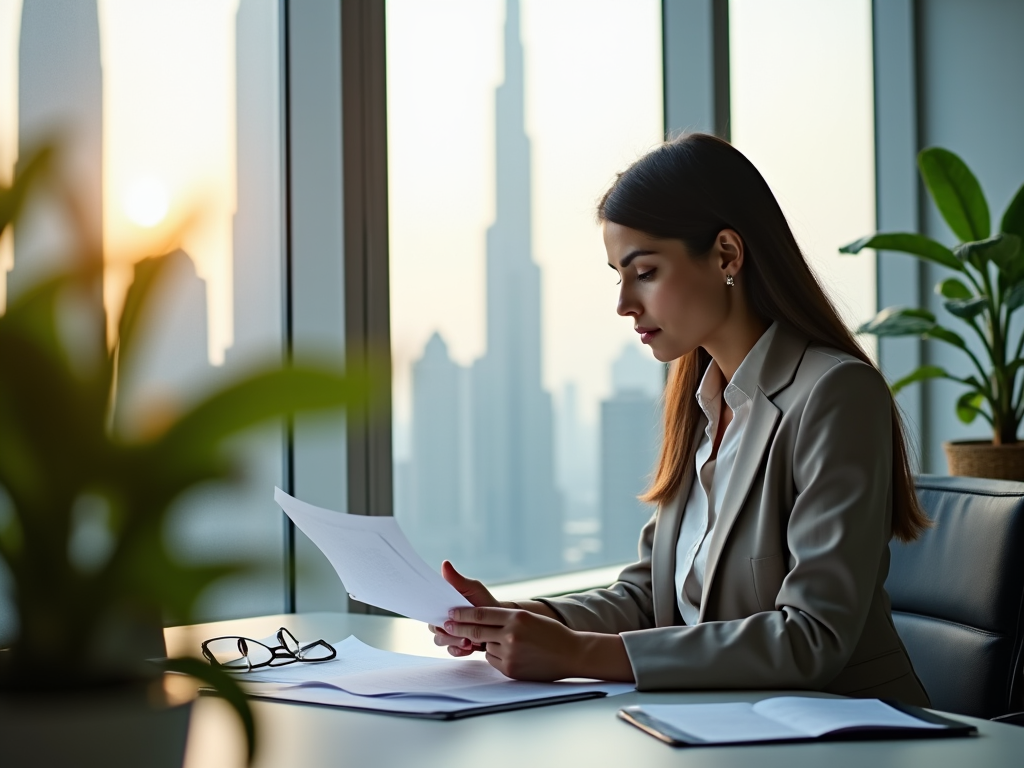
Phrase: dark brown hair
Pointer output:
(690, 189)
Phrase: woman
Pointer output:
(783, 471)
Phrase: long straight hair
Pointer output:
(690, 189)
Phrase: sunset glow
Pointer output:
(146, 201)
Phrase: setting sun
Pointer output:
(146, 201)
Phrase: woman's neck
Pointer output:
(734, 342)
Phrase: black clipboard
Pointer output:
(674, 737)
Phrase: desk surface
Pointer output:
(585, 733)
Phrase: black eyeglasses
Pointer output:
(245, 654)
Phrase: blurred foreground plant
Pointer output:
(64, 473)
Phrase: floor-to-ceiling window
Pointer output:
(802, 111)
(170, 118)
(526, 416)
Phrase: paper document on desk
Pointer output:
(364, 677)
(375, 561)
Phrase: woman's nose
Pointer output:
(626, 305)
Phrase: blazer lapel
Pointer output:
(784, 355)
(663, 550)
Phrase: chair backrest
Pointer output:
(958, 595)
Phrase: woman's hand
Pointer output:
(518, 643)
(473, 591)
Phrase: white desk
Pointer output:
(585, 733)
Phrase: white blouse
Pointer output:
(705, 497)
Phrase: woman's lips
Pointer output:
(646, 334)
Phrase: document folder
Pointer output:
(788, 720)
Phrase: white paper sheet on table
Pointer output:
(375, 561)
(365, 677)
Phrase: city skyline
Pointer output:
(481, 484)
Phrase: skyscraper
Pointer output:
(630, 435)
(512, 436)
(434, 521)
(171, 362)
(60, 95)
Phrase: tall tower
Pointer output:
(513, 474)
(60, 94)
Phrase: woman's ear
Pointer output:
(729, 251)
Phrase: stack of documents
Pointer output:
(789, 718)
(364, 677)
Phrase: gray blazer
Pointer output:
(793, 591)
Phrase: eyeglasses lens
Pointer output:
(238, 652)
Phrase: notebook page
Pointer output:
(731, 722)
(815, 717)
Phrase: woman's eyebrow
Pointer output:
(630, 256)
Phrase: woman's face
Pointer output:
(677, 300)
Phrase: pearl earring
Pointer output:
(730, 281)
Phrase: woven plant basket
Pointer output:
(981, 458)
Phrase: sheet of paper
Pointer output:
(368, 673)
(730, 722)
(354, 656)
(375, 561)
(819, 716)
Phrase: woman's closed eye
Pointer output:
(643, 277)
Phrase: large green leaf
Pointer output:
(966, 308)
(1013, 219)
(262, 397)
(907, 242)
(952, 288)
(1003, 250)
(968, 407)
(922, 373)
(226, 686)
(956, 192)
(946, 335)
(899, 321)
(1015, 297)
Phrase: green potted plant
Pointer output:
(75, 681)
(984, 289)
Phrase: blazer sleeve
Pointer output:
(627, 604)
(838, 529)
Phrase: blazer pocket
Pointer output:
(768, 573)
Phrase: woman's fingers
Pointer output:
(471, 589)
(477, 633)
(493, 616)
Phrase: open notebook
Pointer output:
(787, 719)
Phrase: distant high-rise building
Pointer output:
(60, 96)
(630, 437)
(433, 516)
(576, 454)
(170, 362)
(256, 235)
(512, 432)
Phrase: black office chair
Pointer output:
(958, 595)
